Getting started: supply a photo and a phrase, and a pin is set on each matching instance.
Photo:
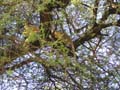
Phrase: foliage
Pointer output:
(37, 38)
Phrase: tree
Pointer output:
(60, 44)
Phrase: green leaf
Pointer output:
(9, 72)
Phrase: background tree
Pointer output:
(37, 38)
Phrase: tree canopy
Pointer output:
(60, 44)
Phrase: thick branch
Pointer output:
(96, 8)
(16, 66)
(93, 32)
(112, 9)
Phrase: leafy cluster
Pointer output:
(37, 38)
